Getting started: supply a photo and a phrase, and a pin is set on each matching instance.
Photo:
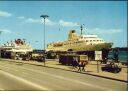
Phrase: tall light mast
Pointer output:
(44, 17)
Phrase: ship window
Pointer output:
(86, 40)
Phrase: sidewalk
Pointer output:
(91, 69)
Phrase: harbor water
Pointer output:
(122, 56)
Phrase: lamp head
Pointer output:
(44, 16)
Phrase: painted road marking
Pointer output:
(1, 89)
(23, 80)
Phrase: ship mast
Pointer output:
(0, 35)
(81, 28)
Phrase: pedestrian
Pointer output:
(74, 62)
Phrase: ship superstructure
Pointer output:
(18, 46)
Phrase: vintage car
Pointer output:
(112, 67)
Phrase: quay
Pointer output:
(90, 69)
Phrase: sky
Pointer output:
(21, 19)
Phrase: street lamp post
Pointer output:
(44, 17)
(0, 35)
(0, 43)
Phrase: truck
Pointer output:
(67, 59)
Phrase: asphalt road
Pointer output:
(18, 76)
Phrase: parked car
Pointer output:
(112, 67)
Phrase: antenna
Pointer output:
(0, 32)
(0, 35)
(59, 27)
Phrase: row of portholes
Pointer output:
(94, 40)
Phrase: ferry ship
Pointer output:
(80, 43)
(18, 46)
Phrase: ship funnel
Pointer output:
(72, 36)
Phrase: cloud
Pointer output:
(48, 22)
(5, 14)
(21, 17)
(105, 31)
(5, 31)
(67, 24)
(31, 20)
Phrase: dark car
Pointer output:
(40, 58)
(111, 68)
